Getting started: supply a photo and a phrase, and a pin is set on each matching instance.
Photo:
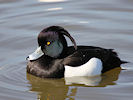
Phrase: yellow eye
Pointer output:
(48, 43)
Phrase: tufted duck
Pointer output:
(55, 59)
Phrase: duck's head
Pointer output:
(51, 42)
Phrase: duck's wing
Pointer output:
(108, 57)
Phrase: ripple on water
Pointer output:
(13, 83)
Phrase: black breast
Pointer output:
(46, 67)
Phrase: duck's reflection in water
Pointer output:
(103, 80)
(48, 89)
(59, 89)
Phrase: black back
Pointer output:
(108, 57)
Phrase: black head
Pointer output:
(53, 42)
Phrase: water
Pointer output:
(105, 23)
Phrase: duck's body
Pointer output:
(62, 60)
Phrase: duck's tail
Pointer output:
(123, 62)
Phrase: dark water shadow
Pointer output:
(59, 89)
(48, 89)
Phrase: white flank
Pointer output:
(92, 68)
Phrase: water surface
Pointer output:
(105, 23)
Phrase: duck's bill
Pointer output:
(35, 55)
